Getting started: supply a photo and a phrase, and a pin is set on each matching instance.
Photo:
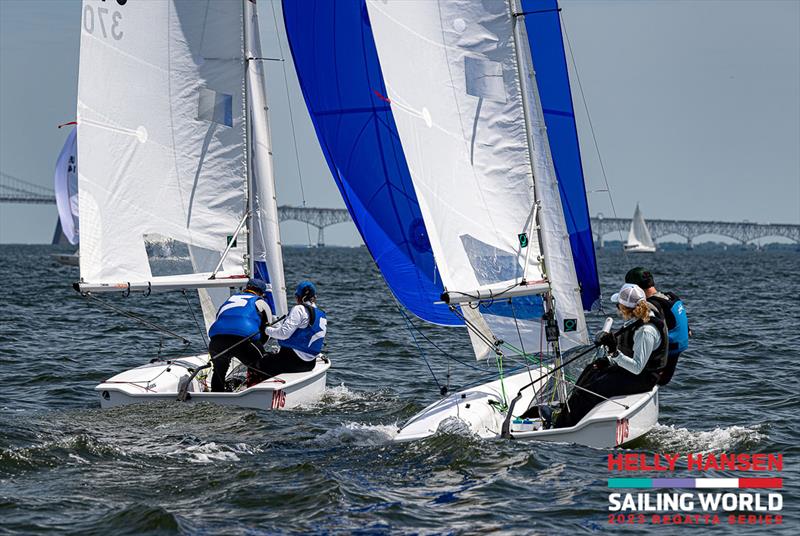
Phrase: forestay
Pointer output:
(161, 134)
(458, 87)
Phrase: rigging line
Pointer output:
(191, 310)
(422, 353)
(591, 126)
(291, 115)
(444, 353)
(519, 334)
(135, 317)
(475, 330)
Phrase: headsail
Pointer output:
(639, 234)
(457, 86)
(543, 26)
(340, 75)
(161, 135)
(66, 188)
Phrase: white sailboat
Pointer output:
(65, 186)
(639, 239)
(174, 147)
(460, 166)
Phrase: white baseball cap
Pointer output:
(629, 295)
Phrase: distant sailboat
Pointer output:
(65, 182)
(639, 239)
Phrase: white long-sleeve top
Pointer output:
(645, 340)
(297, 319)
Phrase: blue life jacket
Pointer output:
(238, 316)
(677, 322)
(309, 339)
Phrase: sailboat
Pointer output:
(460, 166)
(639, 239)
(174, 148)
(65, 182)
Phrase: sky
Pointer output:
(695, 106)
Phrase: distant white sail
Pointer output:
(639, 238)
(161, 135)
(66, 188)
(455, 88)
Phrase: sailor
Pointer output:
(300, 335)
(674, 313)
(636, 357)
(238, 331)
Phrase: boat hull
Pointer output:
(612, 423)
(160, 382)
(638, 248)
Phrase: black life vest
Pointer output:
(674, 314)
(658, 358)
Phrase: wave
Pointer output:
(355, 433)
(731, 438)
(214, 452)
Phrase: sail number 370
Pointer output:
(101, 18)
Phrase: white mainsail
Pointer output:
(166, 114)
(161, 133)
(639, 238)
(459, 93)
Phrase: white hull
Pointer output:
(639, 248)
(160, 381)
(609, 424)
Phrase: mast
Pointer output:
(248, 137)
(526, 74)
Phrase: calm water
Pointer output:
(67, 466)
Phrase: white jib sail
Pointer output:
(453, 79)
(639, 234)
(161, 136)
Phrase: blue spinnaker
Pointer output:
(340, 76)
(547, 49)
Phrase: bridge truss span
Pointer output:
(744, 232)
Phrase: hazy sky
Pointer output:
(695, 105)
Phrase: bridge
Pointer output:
(744, 232)
(316, 217)
(16, 190)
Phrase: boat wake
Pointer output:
(355, 433)
(339, 394)
(669, 438)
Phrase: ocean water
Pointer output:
(68, 466)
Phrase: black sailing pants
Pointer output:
(607, 381)
(248, 352)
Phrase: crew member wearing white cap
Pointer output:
(636, 356)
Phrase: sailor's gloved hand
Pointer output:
(601, 364)
(609, 341)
